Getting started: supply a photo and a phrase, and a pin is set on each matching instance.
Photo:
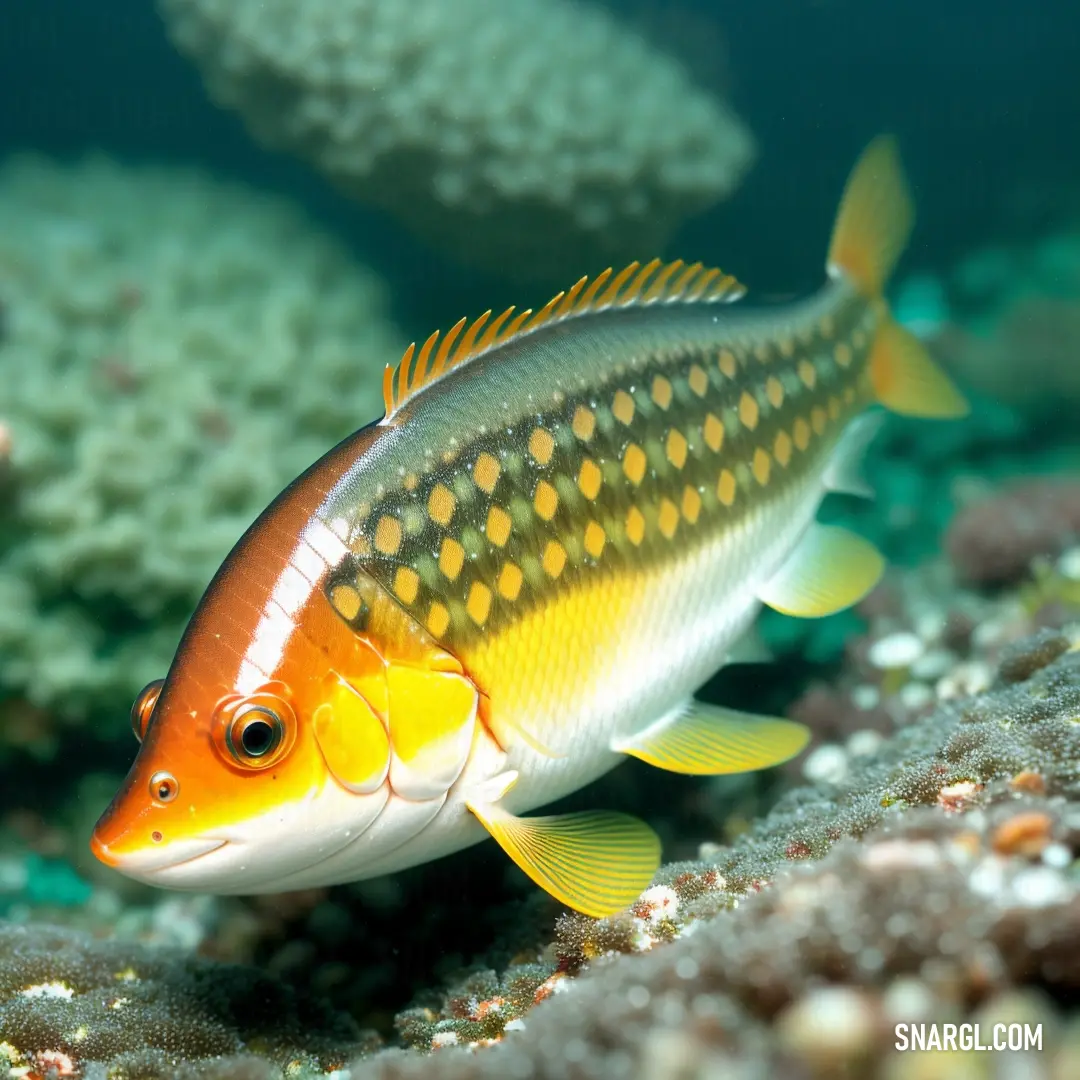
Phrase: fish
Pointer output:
(563, 524)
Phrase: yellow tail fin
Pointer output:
(871, 231)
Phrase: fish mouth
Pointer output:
(145, 862)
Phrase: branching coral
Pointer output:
(534, 136)
(175, 351)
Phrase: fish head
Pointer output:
(264, 777)
(301, 701)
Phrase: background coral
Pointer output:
(538, 137)
(175, 350)
(68, 1002)
(994, 540)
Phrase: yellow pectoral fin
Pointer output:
(352, 740)
(432, 717)
(829, 570)
(708, 740)
(595, 862)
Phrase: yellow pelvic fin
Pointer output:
(829, 570)
(634, 286)
(875, 219)
(595, 862)
(352, 740)
(708, 740)
(905, 378)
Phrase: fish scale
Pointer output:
(530, 510)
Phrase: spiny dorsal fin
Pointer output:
(634, 286)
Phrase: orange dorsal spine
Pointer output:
(634, 286)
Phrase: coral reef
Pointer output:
(995, 540)
(961, 830)
(68, 1003)
(936, 880)
(175, 351)
(537, 137)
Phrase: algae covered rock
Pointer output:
(174, 350)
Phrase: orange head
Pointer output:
(266, 758)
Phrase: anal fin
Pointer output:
(596, 862)
(829, 570)
(709, 740)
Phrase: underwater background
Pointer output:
(219, 220)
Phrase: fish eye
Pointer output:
(255, 733)
(164, 787)
(144, 707)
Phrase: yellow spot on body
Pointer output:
(675, 448)
(801, 432)
(541, 445)
(634, 463)
(691, 504)
(668, 518)
(774, 391)
(827, 326)
(714, 432)
(728, 364)
(818, 419)
(725, 487)
(808, 374)
(346, 601)
(761, 352)
(782, 448)
(584, 423)
(787, 347)
(698, 380)
(486, 472)
(388, 535)
(451, 558)
(748, 410)
(661, 391)
(411, 481)
(842, 354)
(478, 606)
(554, 559)
(441, 504)
(546, 500)
(498, 526)
(622, 407)
(438, 619)
(406, 584)
(761, 466)
(509, 583)
(589, 479)
(595, 538)
(635, 526)
(834, 408)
